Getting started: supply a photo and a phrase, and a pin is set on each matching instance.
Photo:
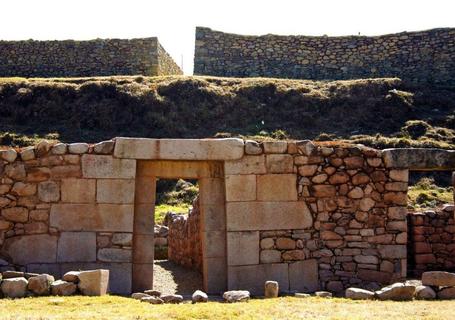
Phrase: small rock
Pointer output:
(104, 147)
(425, 293)
(59, 149)
(139, 295)
(199, 296)
(252, 147)
(359, 294)
(71, 276)
(14, 287)
(397, 292)
(236, 296)
(306, 147)
(28, 153)
(323, 294)
(153, 293)
(438, 279)
(8, 155)
(152, 300)
(42, 148)
(172, 298)
(63, 288)
(447, 293)
(94, 282)
(302, 295)
(78, 148)
(271, 289)
(41, 285)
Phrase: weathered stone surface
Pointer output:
(359, 294)
(252, 147)
(304, 276)
(172, 298)
(154, 293)
(8, 155)
(236, 296)
(271, 289)
(48, 191)
(93, 282)
(122, 239)
(240, 187)
(14, 287)
(438, 279)
(425, 293)
(78, 148)
(393, 251)
(63, 288)
(119, 191)
(104, 147)
(323, 294)
(243, 216)
(419, 158)
(279, 163)
(40, 248)
(152, 300)
(15, 171)
(397, 291)
(246, 242)
(40, 285)
(107, 167)
(78, 190)
(179, 149)
(71, 276)
(76, 247)
(277, 187)
(447, 293)
(323, 191)
(275, 146)
(15, 214)
(59, 148)
(114, 255)
(270, 256)
(246, 165)
(199, 296)
(139, 295)
(28, 153)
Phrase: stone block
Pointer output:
(240, 187)
(279, 163)
(168, 169)
(119, 191)
(392, 251)
(114, 255)
(15, 214)
(143, 248)
(63, 288)
(78, 148)
(271, 289)
(107, 167)
(419, 158)
(179, 149)
(275, 146)
(438, 279)
(142, 276)
(303, 276)
(122, 239)
(92, 217)
(14, 287)
(277, 187)
(40, 285)
(23, 189)
(252, 147)
(246, 165)
(41, 248)
(374, 276)
(144, 218)
(94, 282)
(213, 217)
(76, 247)
(211, 191)
(49, 191)
(252, 278)
(104, 147)
(243, 248)
(145, 190)
(215, 275)
(78, 190)
(245, 216)
(270, 256)
(213, 244)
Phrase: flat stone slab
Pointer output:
(179, 149)
(419, 158)
(438, 279)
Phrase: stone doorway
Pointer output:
(210, 176)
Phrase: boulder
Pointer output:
(139, 295)
(40, 285)
(63, 288)
(153, 293)
(323, 294)
(152, 300)
(359, 294)
(236, 296)
(199, 296)
(447, 293)
(438, 279)
(397, 292)
(14, 287)
(172, 298)
(271, 289)
(93, 282)
(71, 276)
(425, 293)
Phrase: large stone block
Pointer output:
(241, 187)
(114, 255)
(145, 190)
(93, 282)
(213, 244)
(244, 216)
(115, 191)
(92, 217)
(438, 279)
(99, 166)
(252, 278)
(76, 247)
(14, 287)
(144, 249)
(277, 187)
(243, 248)
(49, 191)
(142, 276)
(168, 169)
(419, 158)
(78, 190)
(304, 276)
(213, 217)
(392, 251)
(144, 218)
(211, 191)
(246, 165)
(40, 248)
(179, 149)
(279, 163)
(215, 275)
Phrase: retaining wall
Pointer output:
(420, 57)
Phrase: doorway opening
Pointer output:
(178, 249)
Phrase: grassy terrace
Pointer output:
(111, 307)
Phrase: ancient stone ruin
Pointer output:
(307, 216)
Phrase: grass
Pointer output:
(162, 209)
(112, 307)
(426, 194)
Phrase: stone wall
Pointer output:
(422, 57)
(184, 241)
(100, 57)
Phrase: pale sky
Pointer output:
(174, 22)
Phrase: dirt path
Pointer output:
(170, 278)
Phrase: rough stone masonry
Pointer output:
(305, 215)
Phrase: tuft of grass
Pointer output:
(162, 209)
(425, 194)
(113, 307)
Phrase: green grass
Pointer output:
(162, 209)
(112, 307)
(425, 194)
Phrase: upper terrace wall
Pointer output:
(100, 57)
(422, 57)
(307, 216)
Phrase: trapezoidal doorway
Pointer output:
(210, 177)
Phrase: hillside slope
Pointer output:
(376, 112)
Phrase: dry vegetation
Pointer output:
(110, 307)
(376, 112)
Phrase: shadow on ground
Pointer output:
(171, 278)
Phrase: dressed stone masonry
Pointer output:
(419, 57)
(307, 216)
(99, 57)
